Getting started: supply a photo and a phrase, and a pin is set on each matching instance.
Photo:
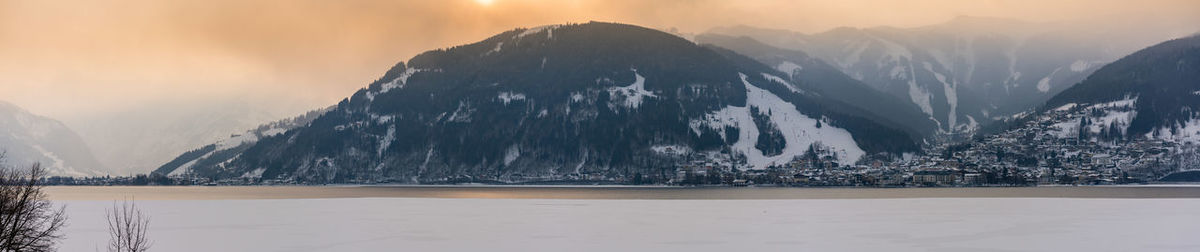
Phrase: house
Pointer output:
(934, 177)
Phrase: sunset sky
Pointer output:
(71, 58)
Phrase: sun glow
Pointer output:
(485, 2)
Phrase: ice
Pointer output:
(431, 224)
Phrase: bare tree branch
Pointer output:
(127, 226)
(28, 220)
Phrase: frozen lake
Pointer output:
(263, 219)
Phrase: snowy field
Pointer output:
(433, 224)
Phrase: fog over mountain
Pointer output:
(971, 71)
(139, 139)
(26, 139)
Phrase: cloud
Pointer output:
(93, 57)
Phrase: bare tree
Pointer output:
(28, 221)
(127, 227)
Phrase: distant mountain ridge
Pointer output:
(563, 102)
(26, 138)
(965, 73)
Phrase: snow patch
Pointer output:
(800, 131)
(951, 95)
(512, 154)
(386, 141)
(671, 150)
(549, 29)
(633, 94)
(508, 97)
(1066, 107)
(398, 82)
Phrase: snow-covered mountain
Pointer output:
(815, 74)
(1153, 93)
(559, 103)
(27, 138)
(967, 72)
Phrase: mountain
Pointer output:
(815, 74)
(26, 138)
(967, 72)
(139, 139)
(216, 154)
(564, 102)
(1153, 93)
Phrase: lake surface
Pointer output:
(603, 192)
(566, 218)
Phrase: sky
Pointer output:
(72, 59)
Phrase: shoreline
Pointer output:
(607, 192)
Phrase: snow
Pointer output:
(462, 113)
(920, 96)
(508, 97)
(672, 150)
(951, 95)
(439, 224)
(576, 97)
(785, 83)
(398, 82)
(633, 94)
(1066, 107)
(387, 140)
(1065, 129)
(788, 68)
(512, 154)
(1187, 132)
(1120, 112)
(799, 131)
(1126, 102)
(549, 29)
(497, 49)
